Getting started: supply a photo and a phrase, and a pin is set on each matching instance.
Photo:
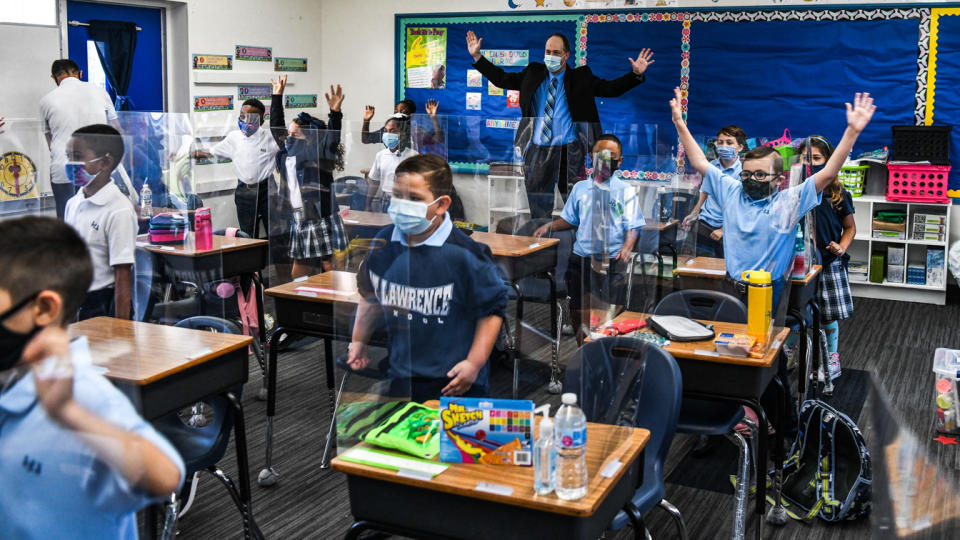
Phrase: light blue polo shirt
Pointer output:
(710, 212)
(602, 215)
(52, 484)
(759, 235)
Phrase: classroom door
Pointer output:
(146, 82)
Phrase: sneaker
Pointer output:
(744, 427)
(833, 365)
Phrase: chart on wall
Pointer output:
(795, 72)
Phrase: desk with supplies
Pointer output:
(484, 501)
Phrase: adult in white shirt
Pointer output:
(253, 152)
(396, 139)
(70, 106)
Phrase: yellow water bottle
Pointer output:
(759, 305)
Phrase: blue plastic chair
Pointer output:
(709, 417)
(202, 447)
(625, 381)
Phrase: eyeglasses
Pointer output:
(759, 175)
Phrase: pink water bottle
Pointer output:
(203, 229)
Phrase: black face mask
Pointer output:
(756, 189)
(814, 169)
(12, 343)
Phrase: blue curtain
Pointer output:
(116, 41)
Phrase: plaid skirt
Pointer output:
(836, 302)
(315, 238)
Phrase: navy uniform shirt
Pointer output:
(432, 296)
(829, 219)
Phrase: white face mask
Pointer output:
(553, 63)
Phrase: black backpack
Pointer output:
(827, 473)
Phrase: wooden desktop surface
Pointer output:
(660, 225)
(508, 245)
(221, 244)
(605, 443)
(342, 282)
(714, 268)
(142, 353)
(689, 349)
(366, 219)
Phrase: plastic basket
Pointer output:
(917, 183)
(922, 143)
(852, 178)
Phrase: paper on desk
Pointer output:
(318, 290)
(373, 458)
(712, 271)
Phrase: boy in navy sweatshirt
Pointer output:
(436, 290)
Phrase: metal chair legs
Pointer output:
(677, 518)
(743, 478)
(169, 529)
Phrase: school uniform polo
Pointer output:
(253, 157)
(65, 109)
(602, 215)
(384, 169)
(710, 212)
(759, 235)
(108, 224)
(53, 485)
(432, 296)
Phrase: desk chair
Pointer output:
(203, 447)
(706, 417)
(628, 382)
(673, 205)
(536, 289)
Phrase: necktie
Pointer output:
(546, 133)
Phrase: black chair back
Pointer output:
(703, 305)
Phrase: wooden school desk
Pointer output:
(228, 258)
(705, 272)
(362, 224)
(707, 375)
(519, 257)
(324, 307)
(164, 369)
(449, 505)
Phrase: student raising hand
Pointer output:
(860, 113)
(432, 106)
(279, 85)
(334, 98)
(368, 113)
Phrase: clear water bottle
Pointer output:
(544, 459)
(570, 424)
(146, 201)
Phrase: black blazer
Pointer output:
(580, 84)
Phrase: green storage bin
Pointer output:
(877, 264)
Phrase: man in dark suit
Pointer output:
(560, 119)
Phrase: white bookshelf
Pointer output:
(864, 245)
(507, 197)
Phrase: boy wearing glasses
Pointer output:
(759, 219)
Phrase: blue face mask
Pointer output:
(552, 62)
(390, 140)
(248, 128)
(77, 172)
(409, 216)
(726, 153)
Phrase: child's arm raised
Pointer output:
(858, 116)
(697, 159)
(278, 127)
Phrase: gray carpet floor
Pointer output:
(894, 340)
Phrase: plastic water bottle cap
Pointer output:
(569, 398)
(546, 427)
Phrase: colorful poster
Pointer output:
(426, 57)
(254, 54)
(502, 124)
(507, 57)
(212, 103)
(473, 101)
(259, 91)
(289, 64)
(474, 79)
(513, 99)
(18, 177)
(300, 101)
(494, 90)
(212, 61)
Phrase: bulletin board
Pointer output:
(764, 69)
